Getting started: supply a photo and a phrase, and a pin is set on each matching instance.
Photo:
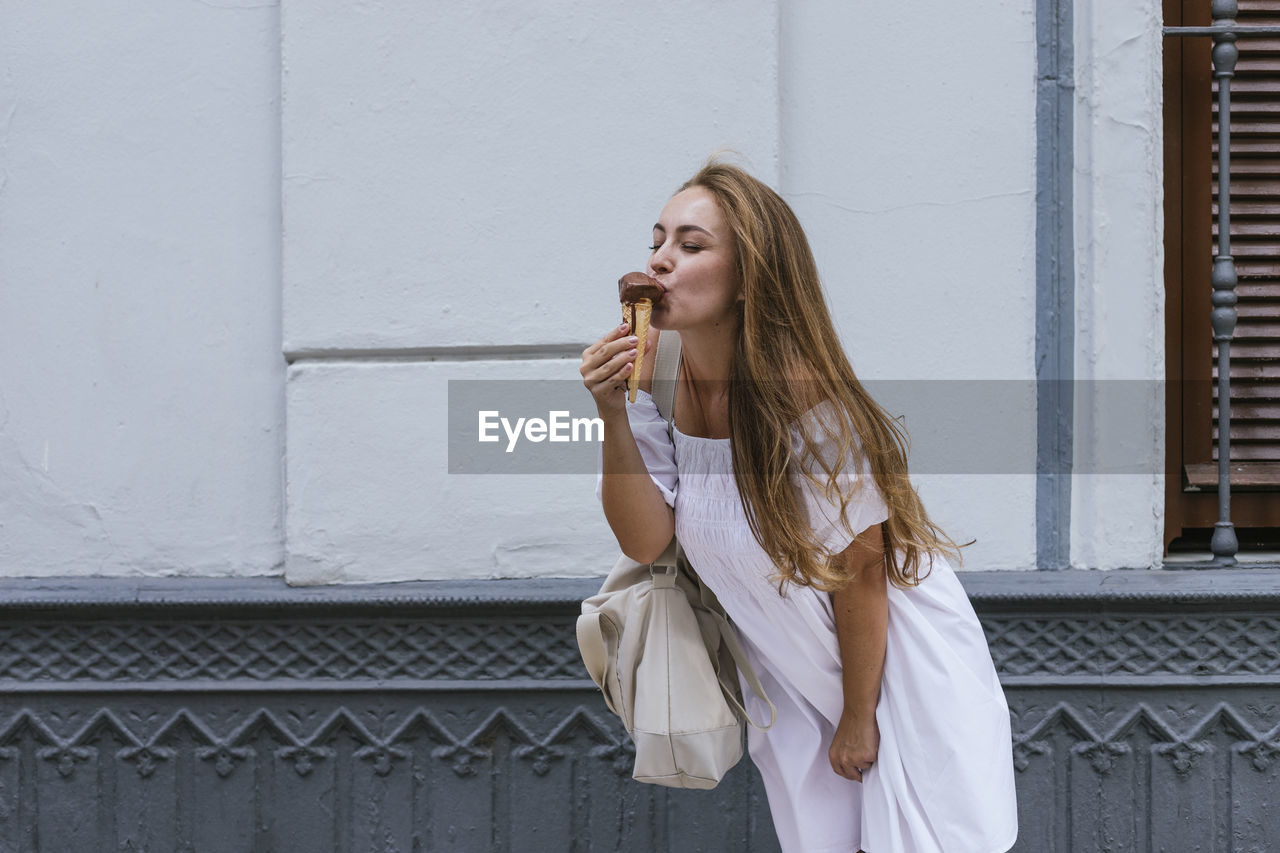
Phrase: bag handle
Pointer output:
(593, 644)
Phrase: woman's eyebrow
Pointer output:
(684, 228)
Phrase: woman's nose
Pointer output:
(659, 262)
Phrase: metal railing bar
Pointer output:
(1224, 544)
(1215, 30)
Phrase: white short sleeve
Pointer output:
(867, 507)
(650, 431)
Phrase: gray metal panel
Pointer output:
(248, 716)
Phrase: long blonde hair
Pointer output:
(788, 358)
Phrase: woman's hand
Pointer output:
(606, 365)
(855, 745)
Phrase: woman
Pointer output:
(787, 487)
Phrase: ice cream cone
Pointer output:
(637, 314)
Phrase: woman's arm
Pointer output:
(862, 624)
(641, 520)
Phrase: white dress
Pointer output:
(943, 778)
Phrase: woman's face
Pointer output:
(694, 257)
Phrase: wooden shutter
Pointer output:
(1255, 245)
(1191, 208)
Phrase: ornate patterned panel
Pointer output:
(266, 650)
(1148, 644)
(461, 649)
(460, 725)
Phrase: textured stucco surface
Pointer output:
(395, 195)
(466, 171)
(370, 495)
(862, 140)
(1118, 513)
(141, 413)
(916, 183)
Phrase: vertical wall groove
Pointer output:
(1055, 282)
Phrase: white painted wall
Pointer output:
(466, 171)
(478, 176)
(460, 186)
(1118, 503)
(915, 180)
(533, 150)
(141, 409)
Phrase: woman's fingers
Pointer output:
(606, 366)
(851, 762)
(610, 369)
(606, 357)
(854, 773)
(614, 334)
(605, 382)
(607, 346)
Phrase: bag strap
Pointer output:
(730, 638)
(666, 371)
(666, 368)
(739, 656)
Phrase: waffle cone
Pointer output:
(643, 310)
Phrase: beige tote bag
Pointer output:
(660, 647)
